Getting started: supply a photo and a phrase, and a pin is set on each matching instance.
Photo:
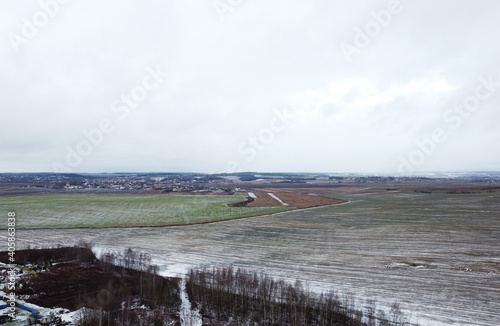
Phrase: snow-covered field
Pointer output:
(438, 255)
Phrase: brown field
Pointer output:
(294, 197)
(300, 196)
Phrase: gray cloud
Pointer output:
(225, 80)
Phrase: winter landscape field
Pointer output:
(91, 210)
(250, 163)
(437, 254)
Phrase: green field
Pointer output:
(104, 210)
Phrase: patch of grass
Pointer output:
(104, 210)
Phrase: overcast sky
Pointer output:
(240, 85)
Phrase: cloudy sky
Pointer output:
(239, 85)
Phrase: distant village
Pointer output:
(17, 183)
(132, 182)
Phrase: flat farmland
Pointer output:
(104, 210)
(294, 197)
(436, 254)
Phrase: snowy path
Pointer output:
(276, 197)
(188, 316)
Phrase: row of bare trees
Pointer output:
(136, 296)
(228, 296)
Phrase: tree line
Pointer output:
(137, 295)
(229, 296)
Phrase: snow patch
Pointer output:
(70, 316)
(276, 197)
(189, 317)
(173, 270)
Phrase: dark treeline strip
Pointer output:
(242, 203)
(47, 256)
(140, 280)
(228, 296)
(138, 284)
